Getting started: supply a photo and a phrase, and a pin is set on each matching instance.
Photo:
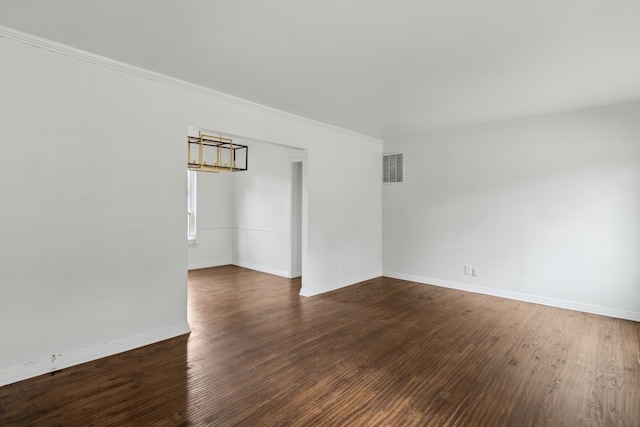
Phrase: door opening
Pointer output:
(296, 219)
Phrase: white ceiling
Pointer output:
(378, 67)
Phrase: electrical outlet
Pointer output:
(474, 271)
(467, 270)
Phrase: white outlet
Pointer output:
(474, 271)
(467, 270)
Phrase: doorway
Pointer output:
(296, 219)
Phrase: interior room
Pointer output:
(245, 218)
(440, 207)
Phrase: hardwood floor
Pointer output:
(380, 353)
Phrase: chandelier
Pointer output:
(211, 153)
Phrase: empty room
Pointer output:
(304, 213)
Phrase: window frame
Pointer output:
(192, 207)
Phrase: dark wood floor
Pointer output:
(381, 353)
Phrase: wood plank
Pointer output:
(382, 352)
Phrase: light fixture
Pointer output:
(223, 154)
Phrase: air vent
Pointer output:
(392, 168)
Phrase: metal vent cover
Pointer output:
(392, 168)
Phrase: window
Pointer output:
(191, 206)
(392, 168)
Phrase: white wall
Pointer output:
(341, 180)
(548, 210)
(214, 221)
(93, 249)
(262, 206)
(244, 218)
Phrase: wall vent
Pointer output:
(392, 168)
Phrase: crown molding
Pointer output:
(72, 52)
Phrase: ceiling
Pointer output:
(382, 68)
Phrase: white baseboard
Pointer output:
(306, 292)
(77, 357)
(262, 268)
(569, 305)
(207, 264)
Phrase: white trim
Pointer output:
(262, 230)
(92, 58)
(553, 302)
(306, 292)
(262, 268)
(66, 360)
(209, 264)
(192, 207)
(218, 227)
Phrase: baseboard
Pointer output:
(569, 305)
(207, 264)
(72, 358)
(262, 268)
(306, 292)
